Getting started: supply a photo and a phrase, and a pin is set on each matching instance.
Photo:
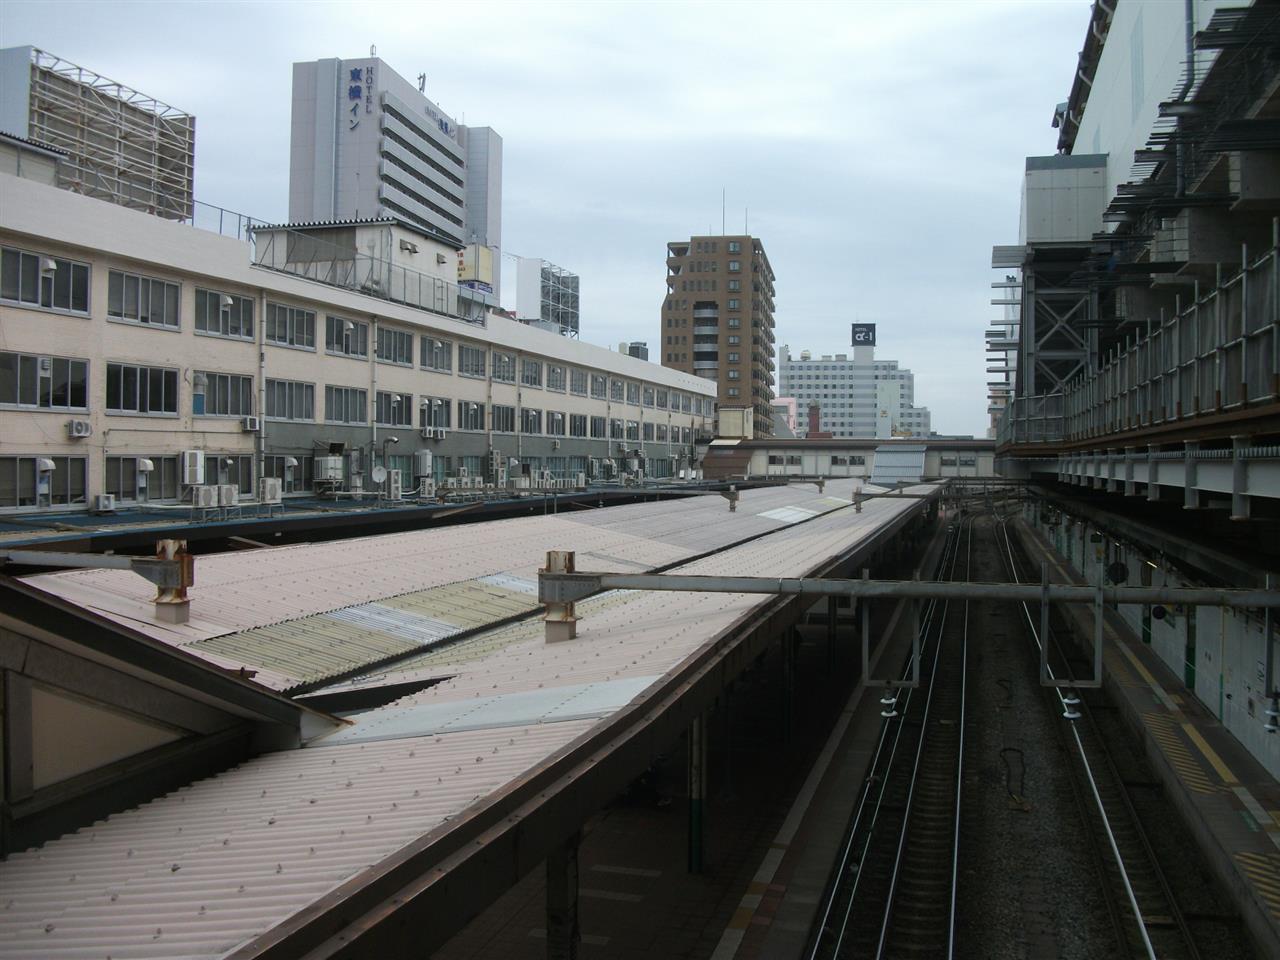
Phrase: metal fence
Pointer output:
(1219, 354)
(1035, 419)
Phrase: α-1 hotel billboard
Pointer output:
(864, 335)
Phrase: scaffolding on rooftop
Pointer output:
(124, 146)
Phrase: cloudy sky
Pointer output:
(878, 147)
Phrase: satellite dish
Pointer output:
(379, 473)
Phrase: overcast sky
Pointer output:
(878, 147)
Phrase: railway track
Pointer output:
(892, 893)
(1144, 912)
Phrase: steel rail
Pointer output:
(864, 799)
(1093, 785)
(955, 842)
(886, 921)
(1140, 832)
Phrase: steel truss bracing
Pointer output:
(124, 146)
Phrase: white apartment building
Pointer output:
(857, 395)
(365, 142)
(126, 339)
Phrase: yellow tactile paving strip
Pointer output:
(1263, 871)
(1164, 731)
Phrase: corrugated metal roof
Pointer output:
(276, 610)
(208, 867)
(197, 872)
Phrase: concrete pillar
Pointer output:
(788, 683)
(1153, 473)
(1240, 500)
(1130, 487)
(1190, 492)
(697, 789)
(563, 933)
(832, 627)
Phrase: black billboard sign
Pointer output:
(864, 334)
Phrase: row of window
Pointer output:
(61, 383)
(62, 284)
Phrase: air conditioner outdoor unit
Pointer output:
(228, 494)
(422, 464)
(427, 488)
(104, 503)
(462, 473)
(269, 490)
(76, 429)
(555, 444)
(249, 424)
(428, 433)
(205, 497)
(501, 477)
(395, 488)
(582, 481)
(441, 433)
(193, 467)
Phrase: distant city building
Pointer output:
(637, 349)
(717, 319)
(547, 295)
(788, 409)
(120, 145)
(365, 143)
(859, 395)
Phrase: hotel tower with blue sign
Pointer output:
(366, 143)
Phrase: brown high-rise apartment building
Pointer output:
(717, 319)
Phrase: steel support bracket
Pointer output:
(559, 595)
(889, 683)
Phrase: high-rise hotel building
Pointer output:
(717, 319)
(366, 143)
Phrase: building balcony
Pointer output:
(706, 313)
(706, 330)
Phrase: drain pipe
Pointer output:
(1190, 30)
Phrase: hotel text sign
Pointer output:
(864, 335)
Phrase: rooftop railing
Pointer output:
(310, 256)
(1219, 354)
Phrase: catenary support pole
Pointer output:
(563, 933)
(697, 789)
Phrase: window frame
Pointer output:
(360, 333)
(13, 272)
(143, 384)
(294, 391)
(351, 397)
(240, 305)
(167, 288)
(45, 381)
(299, 326)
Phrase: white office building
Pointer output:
(857, 395)
(366, 143)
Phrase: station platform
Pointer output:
(1228, 800)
